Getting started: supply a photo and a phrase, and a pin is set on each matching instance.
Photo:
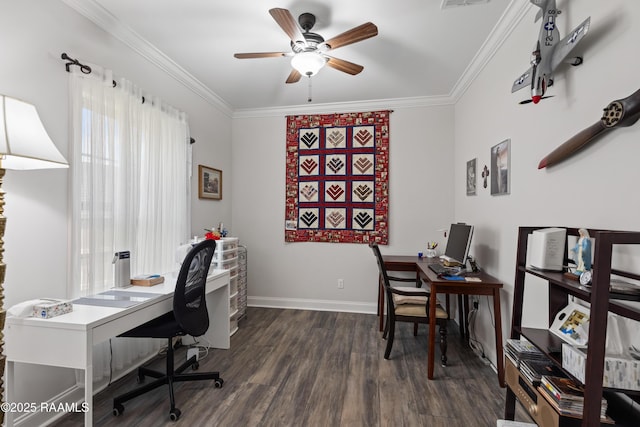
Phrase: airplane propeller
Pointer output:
(620, 113)
(529, 101)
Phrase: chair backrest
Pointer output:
(189, 302)
(381, 266)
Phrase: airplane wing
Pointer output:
(566, 45)
(523, 80)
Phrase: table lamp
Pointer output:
(24, 145)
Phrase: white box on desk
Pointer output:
(619, 372)
(49, 308)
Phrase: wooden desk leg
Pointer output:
(381, 302)
(498, 318)
(461, 315)
(432, 331)
(466, 317)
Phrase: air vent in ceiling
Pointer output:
(446, 4)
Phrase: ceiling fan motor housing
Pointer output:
(307, 21)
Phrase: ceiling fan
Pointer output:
(309, 50)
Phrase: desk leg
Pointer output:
(9, 388)
(498, 319)
(466, 317)
(432, 331)
(381, 302)
(88, 384)
(461, 315)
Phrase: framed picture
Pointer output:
(500, 167)
(209, 183)
(471, 177)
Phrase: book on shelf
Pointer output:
(567, 396)
(518, 350)
(533, 370)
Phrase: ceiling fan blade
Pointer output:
(259, 55)
(353, 35)
(294, 77)
(286, 21)
(344, 66)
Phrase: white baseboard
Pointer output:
(312, 304)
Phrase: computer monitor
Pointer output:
(458, 243)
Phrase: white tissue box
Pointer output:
(619, 372)
(52, 308)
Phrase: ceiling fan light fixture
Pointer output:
(308, 63)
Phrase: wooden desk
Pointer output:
(488, 285)
(67, 340)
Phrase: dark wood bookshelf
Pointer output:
(602, 301)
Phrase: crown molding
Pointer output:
(344, 107)
(513, 14)
(112, 25)
(511, 17)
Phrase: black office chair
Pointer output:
(189, 317)
(408, 304)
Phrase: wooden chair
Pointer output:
(408, 304)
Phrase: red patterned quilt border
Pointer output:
(337, 178)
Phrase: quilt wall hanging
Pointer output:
(337, 178)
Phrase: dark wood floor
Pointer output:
(312, 368)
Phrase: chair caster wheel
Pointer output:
(195, 366)
(218, 383)
(174, 415)
(117, 410)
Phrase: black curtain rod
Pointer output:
(84, 68)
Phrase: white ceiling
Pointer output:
(420, 51)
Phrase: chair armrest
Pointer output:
(404, 290)
(402, 279)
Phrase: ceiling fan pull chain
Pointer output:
(309, 97)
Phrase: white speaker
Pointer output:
(546, 249)
(121, 269)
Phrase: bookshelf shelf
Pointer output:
(602, 301)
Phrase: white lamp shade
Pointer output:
(24, 142)
(308, 63)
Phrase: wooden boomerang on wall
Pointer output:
(620, 113)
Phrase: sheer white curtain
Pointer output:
(130, 191)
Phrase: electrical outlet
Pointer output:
(340, 283)
(192, 352)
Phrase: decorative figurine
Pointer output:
(582, 249)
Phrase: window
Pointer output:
(130, 181)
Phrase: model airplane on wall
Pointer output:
(549, 51)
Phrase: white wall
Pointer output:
(33, 35)
(595, 188)
(305, 274)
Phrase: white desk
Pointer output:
(67, 340)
